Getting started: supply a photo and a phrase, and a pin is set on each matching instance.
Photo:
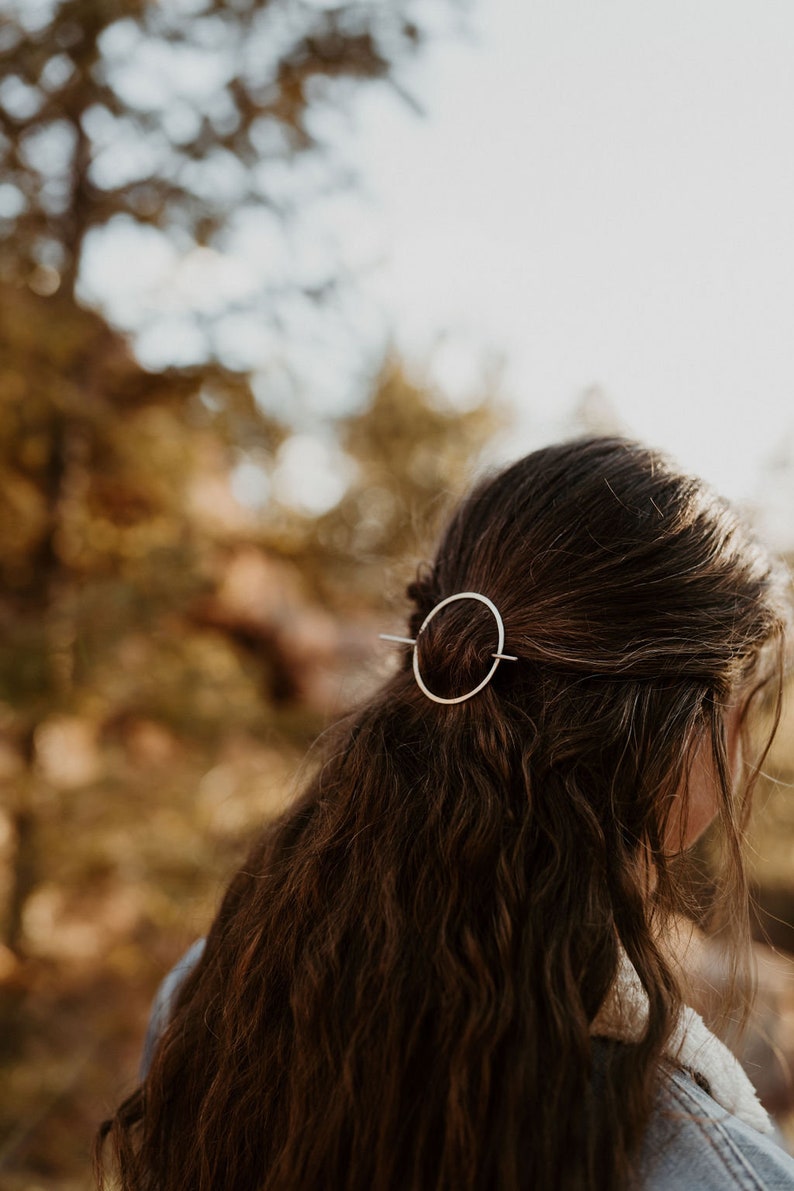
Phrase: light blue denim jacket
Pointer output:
(691, 1144)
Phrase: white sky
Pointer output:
(602, 192)
(605, 190)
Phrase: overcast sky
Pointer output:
(604, 189)
(601, 192)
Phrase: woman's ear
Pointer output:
(699, 794)
(701, 800)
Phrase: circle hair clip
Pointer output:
(499, 656)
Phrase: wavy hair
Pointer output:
(398, 989)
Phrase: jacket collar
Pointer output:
(624, 1016)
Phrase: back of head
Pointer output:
(399, 987)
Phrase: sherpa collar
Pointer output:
(623, 1017)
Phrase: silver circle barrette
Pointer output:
(499, 656)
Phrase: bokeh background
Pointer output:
(277, 278)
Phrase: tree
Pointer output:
(181, 119)
(412, 453)
(176, 115)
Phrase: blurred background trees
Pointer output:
(177, 114)
(173, 627)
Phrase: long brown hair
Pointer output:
(398, 988)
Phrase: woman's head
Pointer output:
(639, 607)
(399, 987)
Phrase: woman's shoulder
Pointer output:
(164, 1000)
(692, 1142)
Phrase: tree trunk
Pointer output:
(23, 877)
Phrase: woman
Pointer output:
(448, 964)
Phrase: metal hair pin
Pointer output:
(499, 656)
